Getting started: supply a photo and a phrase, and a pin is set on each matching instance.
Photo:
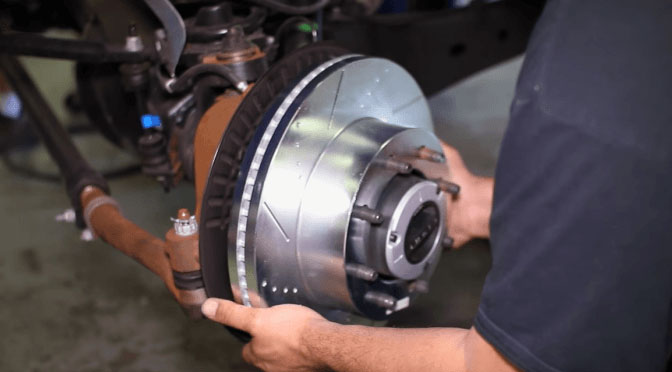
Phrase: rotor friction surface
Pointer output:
(217, 199)
(251, 167)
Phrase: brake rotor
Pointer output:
(218, 193)
(323, 199)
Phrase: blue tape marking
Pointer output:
(150, 121)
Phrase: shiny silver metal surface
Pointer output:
(243, 275)
(324, 141)
(185, 227)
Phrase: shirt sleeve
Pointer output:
(581, 229)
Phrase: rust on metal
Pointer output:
(212, 125)
(122, 234)
(191, 301)
(208, 135)
(175, 161)
(176, 254)
(183, 214)
(242, 55)
(182, 253)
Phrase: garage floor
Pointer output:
(70, 305)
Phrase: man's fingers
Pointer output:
(229, 313)
(247, 354)
(453, 157)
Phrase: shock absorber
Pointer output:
(153, 149)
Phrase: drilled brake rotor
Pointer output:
(323, 191)
(217, 198)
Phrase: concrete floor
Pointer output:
(71, 305)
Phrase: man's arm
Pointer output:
(358, 348)
(295, 338)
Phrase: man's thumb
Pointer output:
(229, 313)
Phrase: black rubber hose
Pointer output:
(292, 9)
(186, 80)
(75, 169)
(289, 22)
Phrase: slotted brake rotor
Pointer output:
(327, 203)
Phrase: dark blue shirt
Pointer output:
(581, 229)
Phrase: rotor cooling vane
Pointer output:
(324, 196)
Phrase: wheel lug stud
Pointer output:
(447, 186)
(426, 153)
(365, 213)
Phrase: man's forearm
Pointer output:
(295, 338)
(368, 349)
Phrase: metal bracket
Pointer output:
(176, 33)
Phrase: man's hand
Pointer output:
(277, 333)
(468, 214)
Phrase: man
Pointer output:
(581, 225)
